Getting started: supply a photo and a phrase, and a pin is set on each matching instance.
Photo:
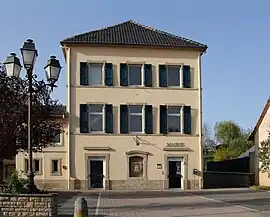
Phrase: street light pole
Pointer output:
(31, 187)
(52, 71)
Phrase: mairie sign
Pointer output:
(175, 144)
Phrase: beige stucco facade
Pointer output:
(260, 134)
(115, 149)
(46, 177)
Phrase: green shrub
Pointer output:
(264, 188)
(15, 183)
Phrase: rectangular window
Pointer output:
(174, 76)
(136, 119)
(9, 168)
(174, 119)
(57, 139)
(96, 118)
(95, 71)
(135, 75)
(96, 74)
(56, 167)
(25, 165)
(36, 166)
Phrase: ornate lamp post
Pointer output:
(13, 68)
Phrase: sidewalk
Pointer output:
(170, 190)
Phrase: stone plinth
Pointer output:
(30, 205)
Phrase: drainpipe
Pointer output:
(200, 120)
(67, 50)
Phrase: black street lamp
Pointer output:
(13, 68)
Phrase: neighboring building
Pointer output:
(134, 99)
(260, 133)
(49, 165)
(7, 168)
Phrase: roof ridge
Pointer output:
(123, 33)
(97, 29)
(166, 33)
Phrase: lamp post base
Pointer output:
(31, 188)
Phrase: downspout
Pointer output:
(67, 50)
(201, 121)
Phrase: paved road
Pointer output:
(67, 200)
(246, 203)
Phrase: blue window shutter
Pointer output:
(124, 119)
(148, 75)
(186, 76)
(163, 76)
(83, 73)
(148, 119)
(108, 74)
(163, 119)
(187, 119)
(109, 118)
(84, 113)
(123, 74)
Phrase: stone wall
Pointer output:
(52, 184)
(135, 184)
(30, 205)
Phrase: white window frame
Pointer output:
(34, 166)
(97, 113)
(180, 115)
(142, 75)
(180, 73)
(39, 164)
(102, 73)
(142, 114)
(59, 164)
(60, 141)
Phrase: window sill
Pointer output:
(58, 144)
(92, 86)
(56, 174)
(97, 133)
(138, 87)
(138, 134)
(35, 173)
(137, 178)
(175, 133)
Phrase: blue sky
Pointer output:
(236, 71)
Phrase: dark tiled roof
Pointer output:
(256, 128)
(132, 33)
(58, 110)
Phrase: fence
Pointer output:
(214, 179)
(240, 165)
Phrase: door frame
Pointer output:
(103, 159)
(181, 159)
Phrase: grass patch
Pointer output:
(258, 187)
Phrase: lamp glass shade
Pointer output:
(52, 70)
(29, 54)
(12, 66)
